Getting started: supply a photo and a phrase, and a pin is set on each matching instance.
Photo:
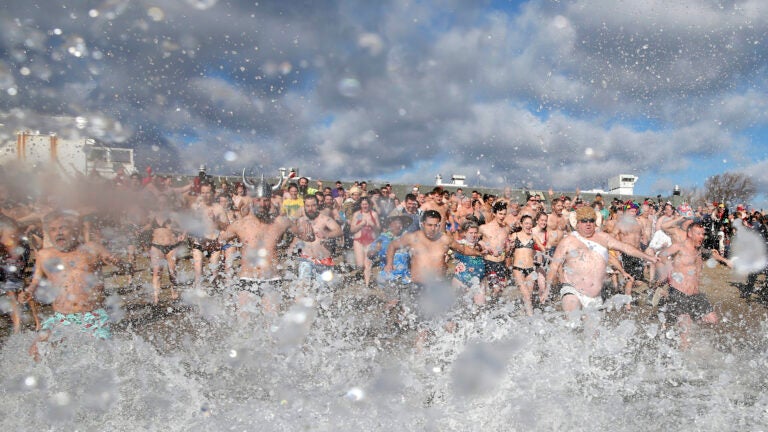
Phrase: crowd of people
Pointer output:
(483, 249)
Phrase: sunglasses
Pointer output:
(591, 220)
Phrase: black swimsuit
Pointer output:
(164, 248)
(527, 245)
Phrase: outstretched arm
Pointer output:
(627, 249)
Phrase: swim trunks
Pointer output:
(585, 300)
(206, 245)
(401, 269)
(695, 305)
(469, 270)
(95, 322)
(497, 272)
(166, 248)
(313, 269)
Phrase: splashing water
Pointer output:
(198, 365)
(748, 252)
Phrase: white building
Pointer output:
(456, 180)
(622, 184)
(81, 156)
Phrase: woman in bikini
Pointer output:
(364, 227)
(522, 244)
(166, 239)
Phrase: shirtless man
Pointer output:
(260, 231)
(583, 256)
(686, 302)
(644, 219)
(213, 219)
(428, 247)
(494, 240)
(628, 230)
(435, 202)
(315, 256)
(69, 268)
(556, 222)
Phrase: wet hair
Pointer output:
(431, 214)
(410, 196)
(292, 184)
(467, 224)
(539, 214)
(526, 216)
(693, 225)
(499, 206)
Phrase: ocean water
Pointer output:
(343, 364)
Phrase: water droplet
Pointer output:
(355, 394)
(30, 381)
(327, 276)
(156, 14)
(230, 156)
(232, 353)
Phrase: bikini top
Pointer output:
(166, 223)
(527, 245)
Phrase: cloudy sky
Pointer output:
(522, 93)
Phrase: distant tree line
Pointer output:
(728, 188)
